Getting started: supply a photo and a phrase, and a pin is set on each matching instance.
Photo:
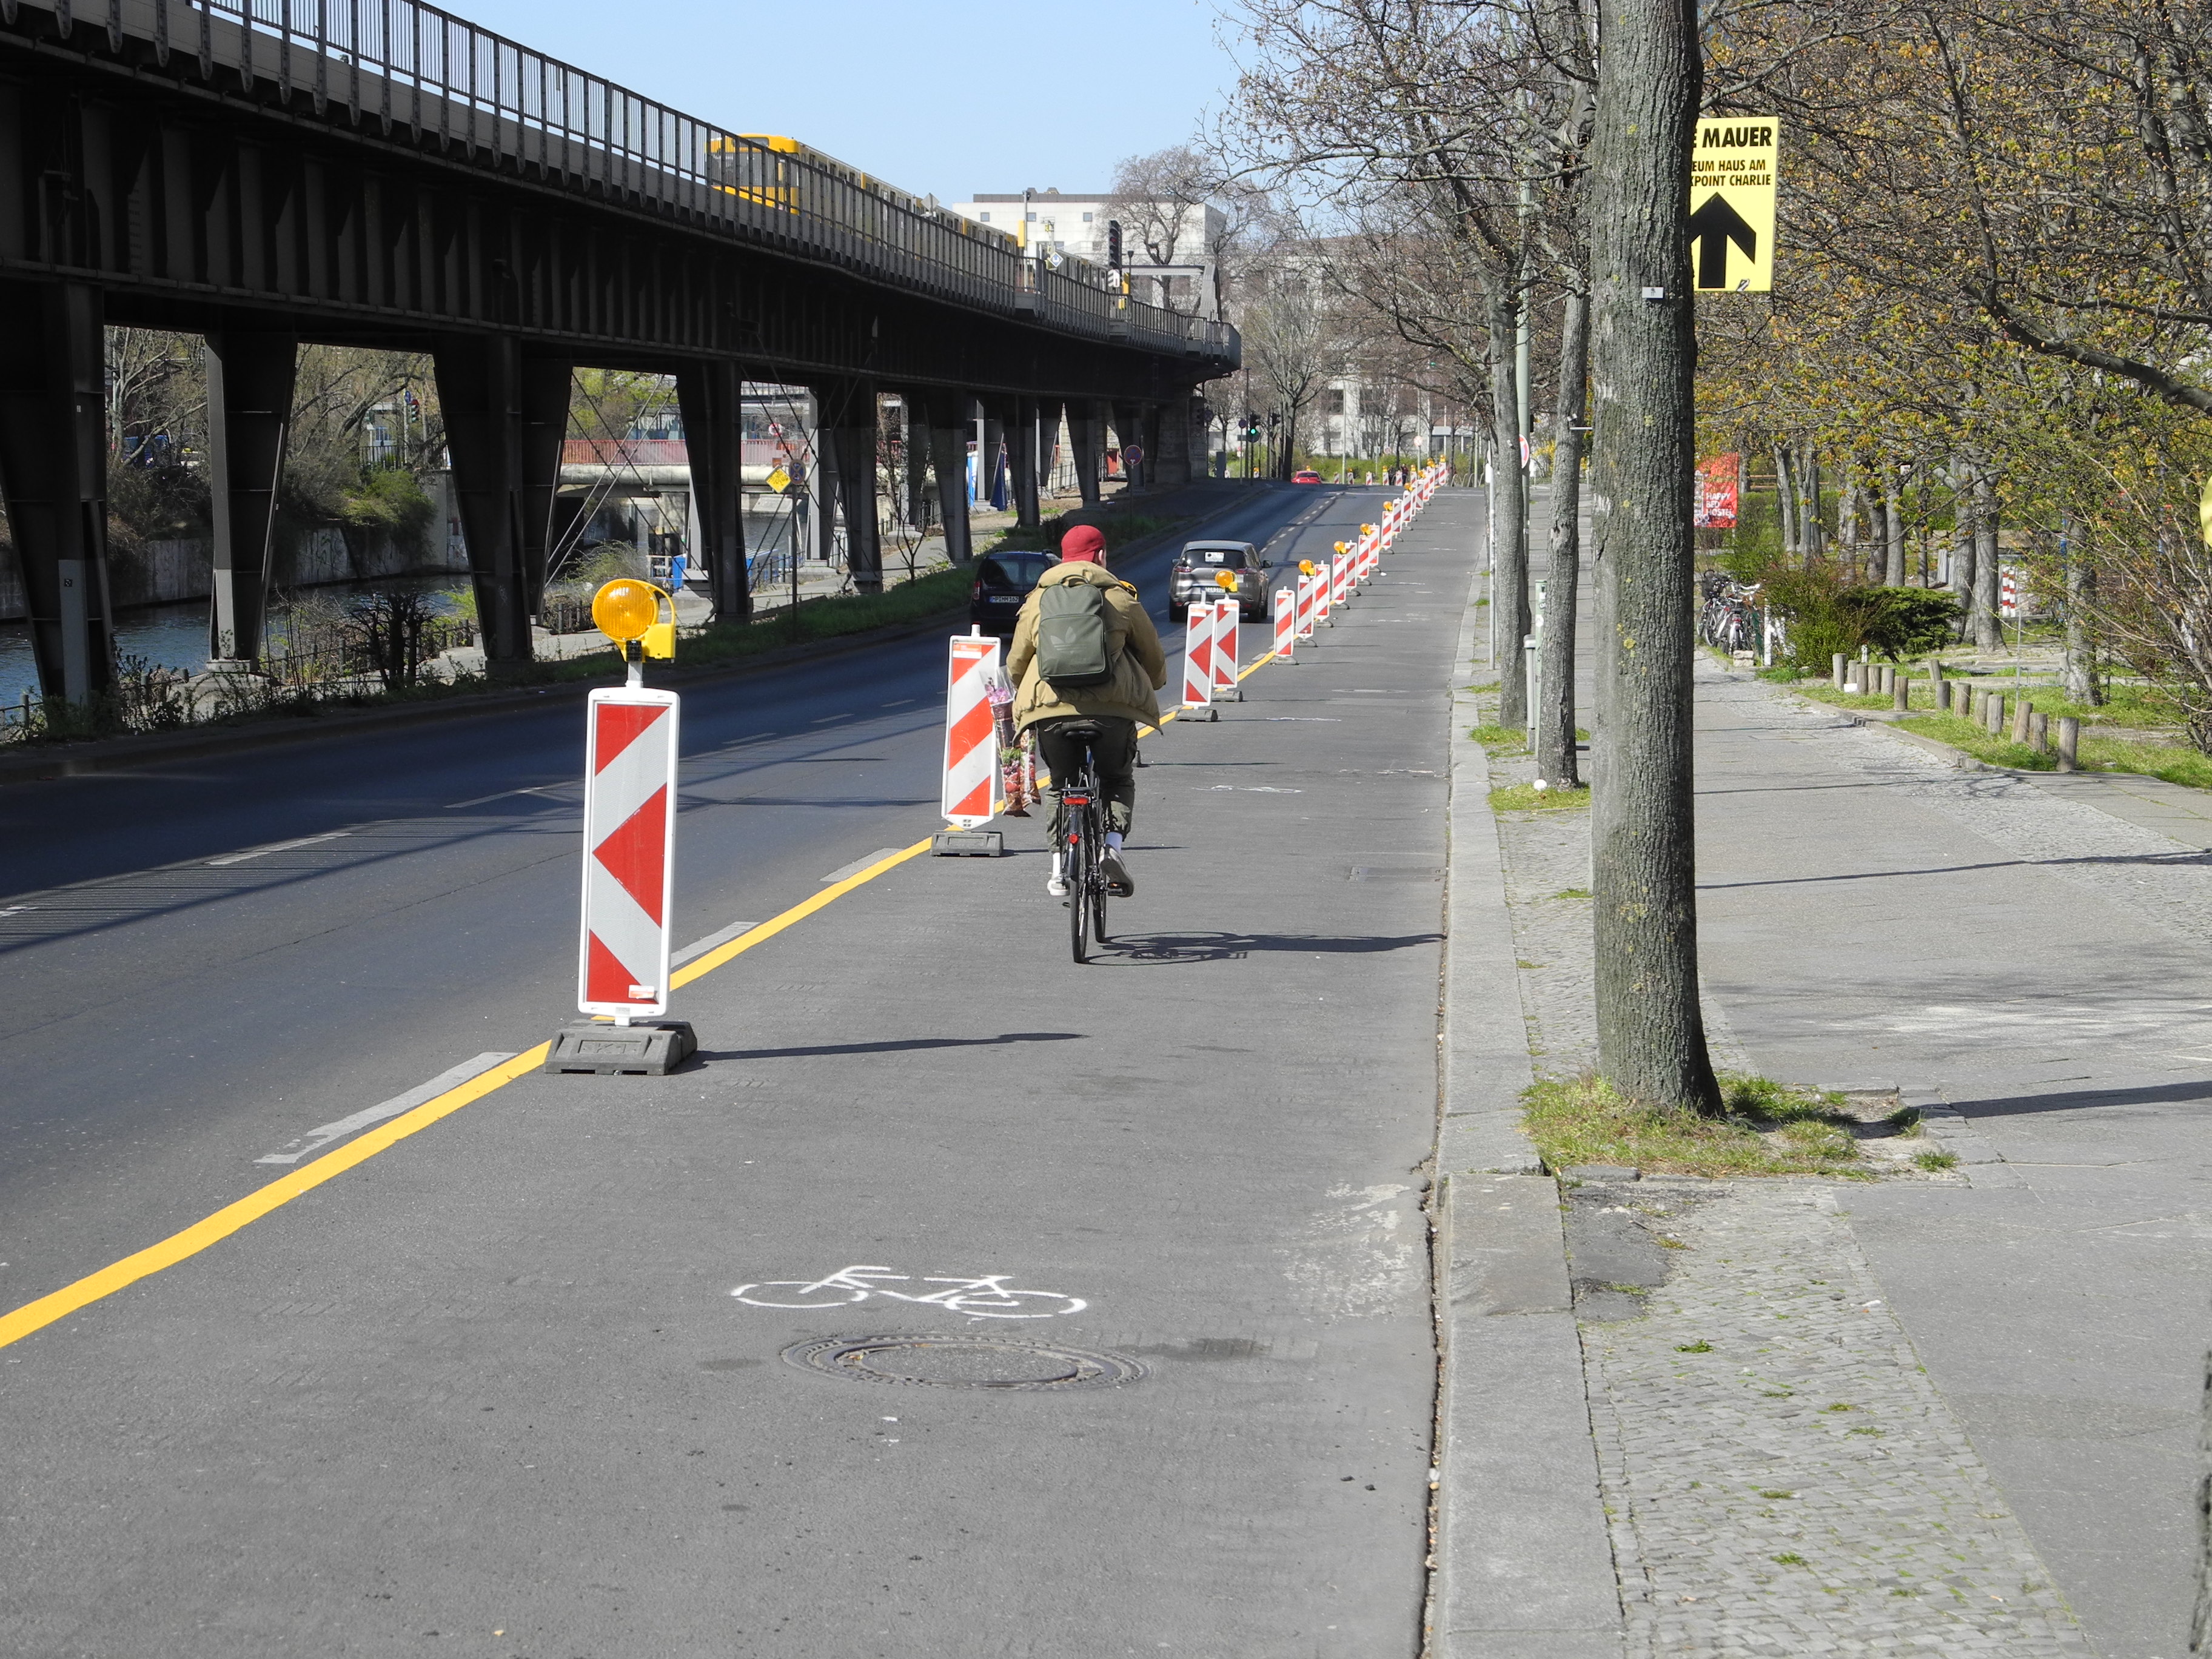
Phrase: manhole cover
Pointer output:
(961, 1362)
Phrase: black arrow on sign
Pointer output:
(1712, 228)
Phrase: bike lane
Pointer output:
(505, 1389)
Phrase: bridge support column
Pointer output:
(506, 412)
(949, 424)
(1171, 452)
(1086, 432)
(250, 373)
(1022, 454)
(1128, 429)
(994, 441)
(712, 398)
(53, 470)
(850, 420)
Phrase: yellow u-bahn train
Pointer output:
(778, 172)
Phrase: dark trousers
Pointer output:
(1114, 750)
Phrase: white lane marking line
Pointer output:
(280, 847)
(17, 909)
(901, 703)
(478, 800)
(860, 864)
(826, 719)
(1302, 719)
(699, 947)
(315, 1139)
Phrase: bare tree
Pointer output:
(1287, 343)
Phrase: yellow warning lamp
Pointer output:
(1367, 529)
(1340, 547)
(1305, 567)
(628, 612)
(1226, 580)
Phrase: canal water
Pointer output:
(176, 635)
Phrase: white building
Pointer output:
(1076, 225)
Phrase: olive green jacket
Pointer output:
(1141, 667)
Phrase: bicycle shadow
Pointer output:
(904, 1045)
(1154, 949)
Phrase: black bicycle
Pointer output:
(1082, 813)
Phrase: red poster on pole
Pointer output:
(1718, 486)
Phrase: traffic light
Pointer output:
(1114, 245)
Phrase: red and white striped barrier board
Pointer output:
(975, 784)
(1308, 606)
(1340, 581)
(1286, 624)
(629, 846)
(1324, 586)
(1227, 613)
(1197, 655)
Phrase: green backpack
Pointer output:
(1072, 647)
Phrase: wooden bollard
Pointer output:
(2069, 741)
(1993, 715)
(2023, 712)
(1935, 678)
(1837, 670)
(2038, 732)
(1900, 692)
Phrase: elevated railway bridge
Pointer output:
(379, 173)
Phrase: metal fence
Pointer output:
(405, 65)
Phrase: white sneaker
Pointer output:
(1115, 869)
(1056, 883)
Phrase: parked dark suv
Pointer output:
(1199, 570)
(1002, 581)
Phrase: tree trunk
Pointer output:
(1509, 505)
(1893, 519)
(1555, 671)
(1651, 1038)
(1812, 527)
(1963, 539)
(1987, 624)
(2080, 680)
(1785, 501)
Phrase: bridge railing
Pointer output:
(403, 64)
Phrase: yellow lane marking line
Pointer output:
(798, 913)
(59, 1305)
(179, 1247)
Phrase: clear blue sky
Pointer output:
(938, 99)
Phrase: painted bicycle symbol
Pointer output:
(982, 1298)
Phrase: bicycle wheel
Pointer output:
(826, 1296)
(1015, 1304)
(1099, 881)
(1077, 869)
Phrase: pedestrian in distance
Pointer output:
(1086, 653)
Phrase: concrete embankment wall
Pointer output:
(167, 572)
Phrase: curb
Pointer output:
(122, 754)
(1524, 1566)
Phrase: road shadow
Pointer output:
(1156, 948)
(905, 1046)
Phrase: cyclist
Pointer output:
(1112, 692)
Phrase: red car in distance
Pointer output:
(1304, 477)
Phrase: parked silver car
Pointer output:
(1198, 572)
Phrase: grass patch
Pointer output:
(1573, 893)
(1501, 739)
(1700, 1346)
(1981, 744)
(1932, 1161)
(1821, 691)
(1763, 1128)
(1528, 797)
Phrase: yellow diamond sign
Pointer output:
(778, 481)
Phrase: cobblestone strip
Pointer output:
(1781, 1476)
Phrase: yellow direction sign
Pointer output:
(1732, 203)
(778, 481)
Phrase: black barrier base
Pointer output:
(968, 844)
(651, 1047)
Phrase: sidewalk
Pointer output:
(1948, 1411)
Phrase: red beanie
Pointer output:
(1085, 541)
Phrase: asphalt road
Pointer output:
(491, 1388)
